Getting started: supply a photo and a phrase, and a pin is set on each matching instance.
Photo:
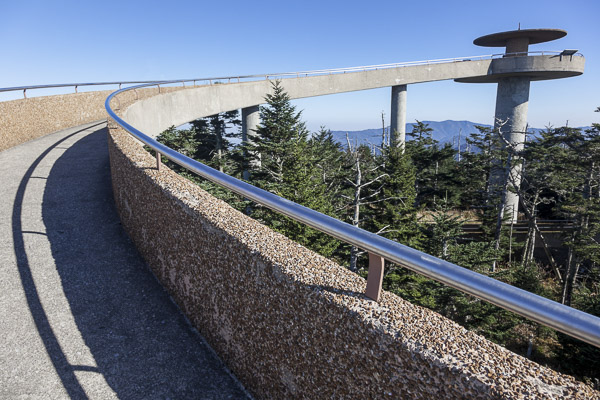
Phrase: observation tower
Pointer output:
(513, 73)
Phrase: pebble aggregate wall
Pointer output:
(27, 119)
(292, 324)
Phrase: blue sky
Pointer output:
(85, 41)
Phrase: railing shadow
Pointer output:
(141, 343)
(40, 318)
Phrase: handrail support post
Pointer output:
(158, 161)
(375, 277)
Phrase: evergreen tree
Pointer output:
(476, 164)
(444, 232)
(281, 128)
(543, 174)
(421, 133)
(581, 203)
(181, 140)
(328, 157)
(212, 136)
(288, 169)
(479, 165)
(396, 215)
(436, 171)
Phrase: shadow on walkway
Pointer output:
(141, 343)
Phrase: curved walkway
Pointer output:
(81, 316)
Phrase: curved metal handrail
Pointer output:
(568, 320)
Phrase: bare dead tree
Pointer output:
(385, 140)
(530, 213)
(358, 200)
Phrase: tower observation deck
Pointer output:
(513, 73)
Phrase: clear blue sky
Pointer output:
(87, 41)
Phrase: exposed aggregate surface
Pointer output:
(27, 119)
(292, 324)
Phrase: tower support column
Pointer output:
(512, 103)
(398, 116)
(250, 121)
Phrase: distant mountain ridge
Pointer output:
(443, 131)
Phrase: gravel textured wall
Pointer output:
(27, 119)
(292, 324)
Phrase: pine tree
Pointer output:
(476, 166)
(180, 140)
(396, 214)
(288, 169)
(581, 204)
(444, 232)
(212, 135)
(543, 174)
(328, 157)
(436, 173)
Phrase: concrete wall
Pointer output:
(27, 119)
(292, 324)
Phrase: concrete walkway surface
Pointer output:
(81, 315)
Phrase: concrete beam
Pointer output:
(157, 113)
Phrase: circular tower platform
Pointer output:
(534, 67)
(517, 62)
(533, 36)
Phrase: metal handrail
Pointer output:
(284, 74)
(58, 85)
(61, 85)
(568, 320)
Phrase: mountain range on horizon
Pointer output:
(443, 131)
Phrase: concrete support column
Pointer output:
(518, 46)
(398, 116)
(512, 101)
(250, 120)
